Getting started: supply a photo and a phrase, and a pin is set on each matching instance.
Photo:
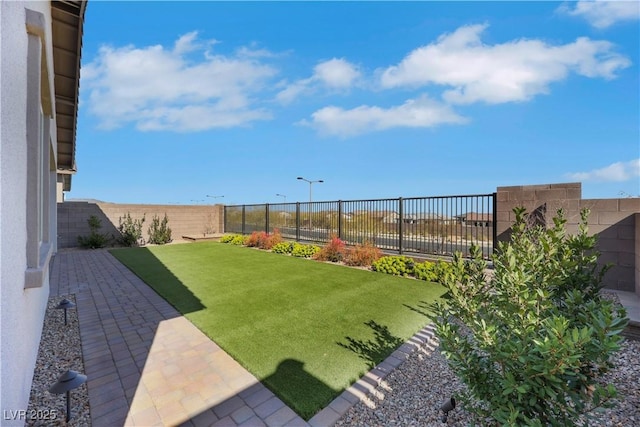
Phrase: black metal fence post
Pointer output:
(339, 219)
(244, 218)
(400, 221)
(297, 221)
(494, 233)
(266, 217)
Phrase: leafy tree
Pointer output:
(531, 343)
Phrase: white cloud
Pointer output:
(603, 14)
(619, 171)
(334, 74)
(414, 113)
(514, 71)
(158, 88)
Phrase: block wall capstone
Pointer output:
(184, 220)
(614, 221)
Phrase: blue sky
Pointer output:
(180, 100)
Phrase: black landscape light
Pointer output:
(446, 407)
(65, 304)
(68, 381)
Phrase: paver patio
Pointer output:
(147, 365)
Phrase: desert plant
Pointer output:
(239, 240)
(227, 238)
(159, 231)
(304, 251)
(130, 230)
(95, 239)
(362, 255)
(531, 343)
(333, 251)
(398, 265)
(425, 271)
(283, 248)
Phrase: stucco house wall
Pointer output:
(25, 28)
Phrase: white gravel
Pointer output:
(60, 350)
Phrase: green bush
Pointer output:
(95, 239)
(227, 238)
(442, 269)
(130, 230)
(425, 271)
(159, 231)
(283, 248)
(531, 343)
(304, 251)
(398, 265)
(239, 240)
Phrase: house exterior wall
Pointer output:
(184, 220)
(614, 221)
(22, 305)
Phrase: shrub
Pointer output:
(130, 230)
(442, 269)
(228, 238)
(239, 240)
(333, 251)
(95, 239)
(304, 251)
(254, 239)
(263, 240)
(159, 231)
(531, 343)
(362, 255)
(398, 265)
(272, 239)
(283, 248)
(425, 271)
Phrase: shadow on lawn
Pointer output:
(423, 308)
(144, 264)
(374, 351)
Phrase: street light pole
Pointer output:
(310, 185)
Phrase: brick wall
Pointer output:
(615, 221)
(183, 219)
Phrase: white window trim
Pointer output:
(38, 248)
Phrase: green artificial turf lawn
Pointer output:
(306, 329)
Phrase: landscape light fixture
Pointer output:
(65, 304)
(68, 381)
(446, 407)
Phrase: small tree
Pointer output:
(159, 231)
(130, 230)
(95, 239)
(531, 343)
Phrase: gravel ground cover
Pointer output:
(60, 350)
(412, 394)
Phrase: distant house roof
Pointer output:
(473, 216)
(67, 27)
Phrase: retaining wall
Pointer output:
(196, 220)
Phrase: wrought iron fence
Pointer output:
(422, 225)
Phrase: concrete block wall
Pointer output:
(196, 220)
(615, 221)
(637, 218)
